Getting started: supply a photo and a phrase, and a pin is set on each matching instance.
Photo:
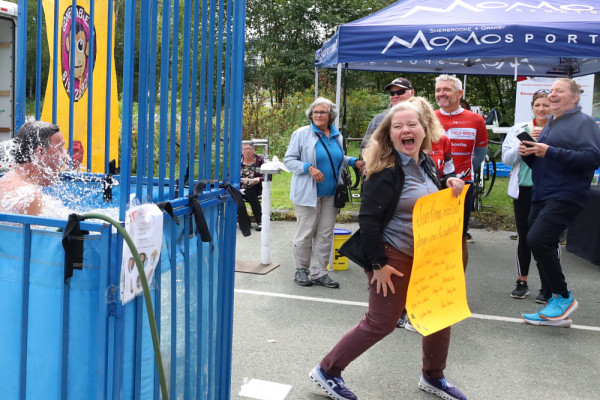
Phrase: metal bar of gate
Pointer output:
(210, 61)
(202, 111)
(185, 95)
(107, 112)
(143, 62)
(105, 298)
(192, 142)
(127, 123)
(90, 62)
(38, 63)
(152, 94)
(25, 309)
(164, 102)
(218, 104)
(174, 87)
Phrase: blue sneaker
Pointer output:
(558, 307)
(334, 386)
(535, 319)
(441, 388)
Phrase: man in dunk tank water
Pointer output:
(39, 153)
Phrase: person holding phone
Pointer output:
(520, 186)
(563, 161)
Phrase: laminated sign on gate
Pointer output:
(144, 223)
(437, 296)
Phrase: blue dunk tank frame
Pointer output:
(66, 336)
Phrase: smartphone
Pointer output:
(523, 135)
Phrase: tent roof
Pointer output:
(509, 37)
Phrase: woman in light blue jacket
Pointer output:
(520, 187)
(316, 158)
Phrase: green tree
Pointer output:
(283, 35)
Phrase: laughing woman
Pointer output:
(399, 172)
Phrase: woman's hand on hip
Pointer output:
(382, 278)
(316, 173)
(456, 185)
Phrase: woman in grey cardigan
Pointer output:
(315, 156)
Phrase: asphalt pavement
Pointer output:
(282, 330)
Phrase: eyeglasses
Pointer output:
(397, 92)
(320, 112)
(542, 91)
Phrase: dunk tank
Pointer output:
(159, 125)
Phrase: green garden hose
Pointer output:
(151, 317)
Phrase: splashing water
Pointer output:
(23, 191)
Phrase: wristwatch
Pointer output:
(376, 266)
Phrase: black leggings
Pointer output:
(521, 207)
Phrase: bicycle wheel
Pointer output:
(490, 174)
(479, 185)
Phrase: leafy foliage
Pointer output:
(283, 35)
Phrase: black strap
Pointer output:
(330, 159)
(243, 219)
(201, 225)
(167, 207)
(73, 245)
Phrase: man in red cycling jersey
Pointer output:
(468, 136)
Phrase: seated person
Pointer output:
(251, 181)
(39, 153)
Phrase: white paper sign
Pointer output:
(526, 89)
(144, 223)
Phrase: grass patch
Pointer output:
(497, 211)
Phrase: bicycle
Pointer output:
(486, 173)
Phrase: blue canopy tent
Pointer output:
(508, 37)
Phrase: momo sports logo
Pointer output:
(502, 6)
(447, 42)
(484, 37)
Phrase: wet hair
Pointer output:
(322, 100)
(446, 77)
(31, 136)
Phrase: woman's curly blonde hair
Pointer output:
(379, 153)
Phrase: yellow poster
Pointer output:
(84, 63)
(437, 296)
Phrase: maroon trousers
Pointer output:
(381, 319)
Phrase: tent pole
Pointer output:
(343, 129)
(316, 82)
(465, 86)
(338, 90)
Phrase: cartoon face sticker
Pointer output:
(77, 51)
(82, 48)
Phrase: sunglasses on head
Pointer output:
(397, 92)
(542, 91)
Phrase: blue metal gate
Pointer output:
(186, 59)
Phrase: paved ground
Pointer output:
(282, 330)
